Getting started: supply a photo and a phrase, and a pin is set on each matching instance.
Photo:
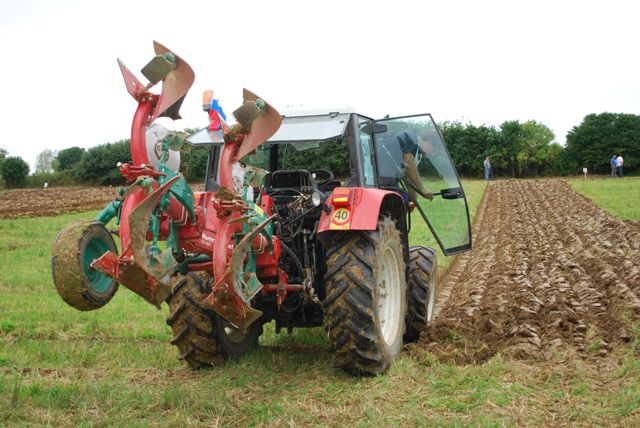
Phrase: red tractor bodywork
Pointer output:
(355, 208)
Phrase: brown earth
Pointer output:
(56, 200)
(53, 201)
(549, 272)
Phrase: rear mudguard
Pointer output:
(358, 208)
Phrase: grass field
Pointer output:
(618, 196)
(115, 366)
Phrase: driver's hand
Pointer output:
(428, 195)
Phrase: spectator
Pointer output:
(613, 165)
(487, 168)
(619, 163)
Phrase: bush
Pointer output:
(193, 162)
(98, 164)
(14, 170)
(69, 158)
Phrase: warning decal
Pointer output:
(340, 219)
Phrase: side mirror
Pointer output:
(455, 193)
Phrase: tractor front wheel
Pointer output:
(76, 247)
(366, 298)
(203, 337)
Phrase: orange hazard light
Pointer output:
(340, 201)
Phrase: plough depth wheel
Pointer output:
(76, 247)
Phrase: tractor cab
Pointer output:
(311, 155)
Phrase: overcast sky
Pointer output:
(481, 62)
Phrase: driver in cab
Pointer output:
(412, 145)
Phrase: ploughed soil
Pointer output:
(54, 201)
(549, 272)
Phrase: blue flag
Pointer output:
(216, 107)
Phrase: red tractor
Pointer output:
(304, 220)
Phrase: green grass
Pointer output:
(617, 196)
(115, 366)
(275, 386)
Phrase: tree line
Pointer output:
(529, 149)
(93, 166)
(517, 149)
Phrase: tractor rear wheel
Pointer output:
(366, 298)
(423, 278)
(75, 248)
(204, 338)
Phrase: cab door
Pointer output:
(412, 158)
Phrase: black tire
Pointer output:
(79, 285)
(203, 338)
(363, 339)
(423, 278)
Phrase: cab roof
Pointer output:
(296, 126)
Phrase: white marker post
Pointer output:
(584, 171)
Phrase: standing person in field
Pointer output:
(619, 163)
(487, 168)
(614, 164)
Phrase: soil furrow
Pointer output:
(549, 272)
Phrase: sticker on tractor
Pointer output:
(341, 219)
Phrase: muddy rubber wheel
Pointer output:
(366, 299)
(423, 277)
(204, 339)
(75, 248)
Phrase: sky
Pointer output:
(479, 62)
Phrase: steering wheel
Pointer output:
(286, 191)
(328, 176)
